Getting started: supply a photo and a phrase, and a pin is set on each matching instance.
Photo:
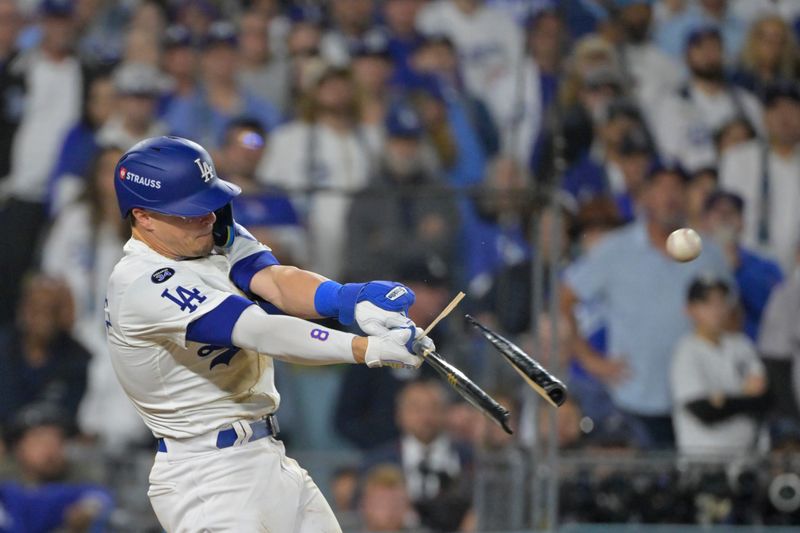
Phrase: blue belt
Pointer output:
(227, 437)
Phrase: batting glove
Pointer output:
(394, 348)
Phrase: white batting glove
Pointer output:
(394, 348)
(376, 321)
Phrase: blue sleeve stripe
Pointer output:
(243, 271)
(216, 326)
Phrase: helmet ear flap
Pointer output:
(223, 230)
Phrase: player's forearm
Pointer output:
(295, 340)
(288, 288)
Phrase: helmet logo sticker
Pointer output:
(206, 170)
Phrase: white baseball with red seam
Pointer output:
(684, 244)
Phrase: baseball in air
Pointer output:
(684, 244)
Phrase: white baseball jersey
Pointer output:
(182, 388)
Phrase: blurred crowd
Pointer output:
(446, 144)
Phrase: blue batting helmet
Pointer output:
(170, 175)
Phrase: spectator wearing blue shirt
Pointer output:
(642, 290)
(756, 276)
(671, 35)
(403, 39)
(204, 114)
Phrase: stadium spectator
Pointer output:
(489, 43)
(344, 487)
(702, 183)
(751, 10)
(203, 115)
(303, 52)
(405, 201)
(764, 174)
(367, 397)
(433, 466)
(266, 211)
(352, 24)
(688, 120)
(12, 89)
(733, 133)
(143, 35)
(261, 70)
(717, 380)
(53, 79)
(372, 68)
(671, 34)
(755, 276)
(323, 149)
(385, 504)
(80, 147)
(400, 17)
(179, 62)
(626, 272)
(42, 362)
(138, 88)
(769, 55)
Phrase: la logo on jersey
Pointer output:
(206, 170)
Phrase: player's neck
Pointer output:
(153, 244)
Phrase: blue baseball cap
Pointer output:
(699, 33)
(57, 8)
(177, 36)
(221, 32)
(375, 45)
(402, 120)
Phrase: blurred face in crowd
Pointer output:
(40, 308)
(546, 40)
(705, 59)
(772, 35)
(40, 454)
(9, 25)
(595, 98)
(137, 110)
(176, 236)
(634, 168)
(402, 157)
(220, 63)
(614, 129)
(149, 17)
(782, 120)
(438, 58)
(102, 98)
(712, 313)
(431, 298)
(243, 152)
(303, 40)
(253, 37)
(700, 187)
(384, 506)
(401, 15)
(335, 95)
(371, 73)
(353, 15)
(180, 62)
(724, 222)
(506, 182)
(420, 411)
(733, 134)
(635, 22)
(141, 46)
(343, 489)
(665, 200)
(58, 34)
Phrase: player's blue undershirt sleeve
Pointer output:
(242, 271)
(216, 326)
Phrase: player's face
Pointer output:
(184, 236)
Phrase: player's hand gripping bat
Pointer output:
(547, 385)
(459, 381)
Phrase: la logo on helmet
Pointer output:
(206, 170)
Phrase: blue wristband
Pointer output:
(326, 299)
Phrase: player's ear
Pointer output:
(140, 217)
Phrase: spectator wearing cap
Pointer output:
(405, 201)
(651, 72)
(179, 62)
(626, 273)
(71, 171)
(12, 87)
(489, 42)
(148, 21)
(617, 161)
(435, 70)
(371, 65)
(671, 34)
(317, 158)
(352, 24)
(769, 55)
(43, 361)
(717, 380)
(366, 403)
(266, 211)
(756, 276)
(764, 174)
(219, 97)
(53, 79)
(261, 70)
(138, 87)
(687, 121)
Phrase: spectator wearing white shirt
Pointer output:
(53, 81)
(767, 176)
(689, 119)
(489, 42)
(321, 158)
(718, 382)
(352, 24)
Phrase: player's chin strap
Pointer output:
(223, 229)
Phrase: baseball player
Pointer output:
(194, 352)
